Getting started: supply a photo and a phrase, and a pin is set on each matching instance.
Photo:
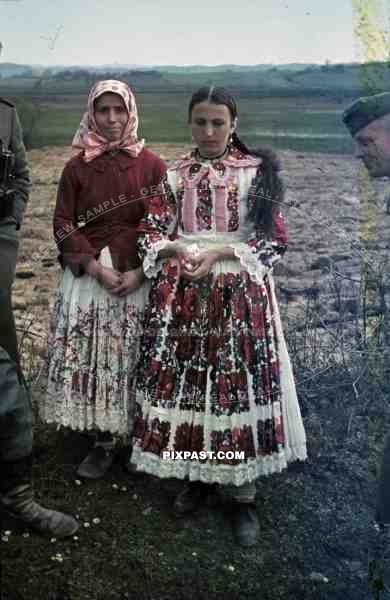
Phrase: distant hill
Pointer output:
(339, 80)
(235, 68)
(12, 69)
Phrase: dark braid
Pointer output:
(268, 190)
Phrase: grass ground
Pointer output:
(317, 531)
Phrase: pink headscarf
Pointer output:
(88, 138)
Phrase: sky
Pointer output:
(180, 32)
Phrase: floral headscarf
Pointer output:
(89, 139)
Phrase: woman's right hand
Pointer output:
(185, 256)
(106, 276)
(109, 278)
(187, 261)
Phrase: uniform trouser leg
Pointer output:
(16, 434)
(8, 339)
(383, 503)
(16, 493)
(15, 406)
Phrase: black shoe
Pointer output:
(96, 463)
(191, 497)
(246, 527)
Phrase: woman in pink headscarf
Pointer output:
(97, 315)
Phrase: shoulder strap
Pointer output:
(4, 101)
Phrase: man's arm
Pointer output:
(21, 182)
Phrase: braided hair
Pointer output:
(268, 187)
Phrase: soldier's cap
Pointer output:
(365, 110)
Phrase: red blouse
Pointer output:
(101, 204)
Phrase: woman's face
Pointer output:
(211, 127)
(111, 116)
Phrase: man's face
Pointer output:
(373, 147)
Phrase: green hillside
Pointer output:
(263, 80)
(287, 106)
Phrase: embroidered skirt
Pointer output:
(93, 350)
(215, 375)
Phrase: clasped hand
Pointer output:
(120, 283)
(196, 266)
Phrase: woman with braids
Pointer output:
(98, 310)
(214, 375)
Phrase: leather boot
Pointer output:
(18, 505)
(97, 462)
(191, 497)
(246, 527)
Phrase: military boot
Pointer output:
(19, 506)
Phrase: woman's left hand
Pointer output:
(201, 265)
(130, 281)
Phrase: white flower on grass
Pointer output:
(4, 538)
(77, 481)
(123, 488)
(53, 540)
(90, 493)
(8, 532)
(26, 534)
(318, 577)
(194, 554)
(115, 486)
(96, 521)
(86, 524)
(57, 557)
(75, 537)
(135, 497)
(231, 568)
